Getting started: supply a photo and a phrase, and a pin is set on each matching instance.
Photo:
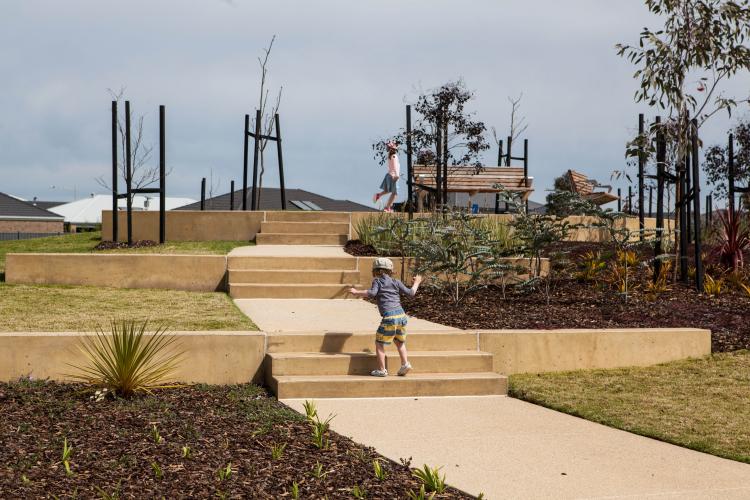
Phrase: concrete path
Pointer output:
(320, 315)
(507, 448)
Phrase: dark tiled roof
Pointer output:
(271, 200)
(48, 204)
(12, 207)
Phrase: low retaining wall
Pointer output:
(533, 351)
(365, 268)
(210, 357)
(178, 272)
(187, 225)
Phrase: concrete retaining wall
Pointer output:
(186, 225)
(533, 351)
(365, 268)
(210, 357)
(177, 272)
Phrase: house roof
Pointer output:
(47, 204)
(89, 210)
(271, 200)
(13, 208)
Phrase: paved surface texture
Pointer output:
(290, 251)
(320, 315)
(507, 448)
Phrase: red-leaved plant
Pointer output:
(734, 239)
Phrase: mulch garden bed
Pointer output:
(113, 245)
(359, 249)
(578, 304)
(116, 453)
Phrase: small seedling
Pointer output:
(319, 431)
(158, 473)
(380, 472)
(431, 478)
(311, 412)
(359, 492)
(24, 479)
(115, 495)
(318, 472)
(421, 495)
(225, 472)
(295, 490)
(277, 451)
(186, 452)
(155, 434)
(66, 454)
(480, 496)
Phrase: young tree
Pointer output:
(518, 123)
(266, 115)
(716, 163)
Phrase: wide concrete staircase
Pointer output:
(336, 365)
(304, 228)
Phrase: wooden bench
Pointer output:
(465, 179)
(581, 184)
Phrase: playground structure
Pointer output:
(440, 179)
(161, 190)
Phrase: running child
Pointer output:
(393, 325)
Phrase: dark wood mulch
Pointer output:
(111, 245)
(359, 249)
(115, 452)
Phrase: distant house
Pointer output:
(87, 212)
(20, 219)
(296, 199)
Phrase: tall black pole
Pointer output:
(731, 173)
(619, 200)
(526, 169)
(438, 163)
(650, 200)
(641, 178)
(128, 173)
(162, 176)
(445, 160)
(697, 209)
(499, 163)
(256, 150)
(203, 194)
(244, 164)
(661, 151)
(688, 191)
(510, 147)
(630, 200)
(282, 189)
(231, 195)
(682, 202)
(115, 173)
(409, 167)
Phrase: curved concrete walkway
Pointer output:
(507, 448)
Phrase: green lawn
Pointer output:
(700, 403)
(50, 308)
(85, 242)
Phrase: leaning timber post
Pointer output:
(409, 166)
(641, 177)
(526, 170)
(438, 165)
(731, 174)
(244, 164)
(661, 151)
(128, 173)
(231, 195)
(681, 206)
(282, 188)
(162, 176)
(256, 151)
(697, 209)
(203, 194)
(499, 163)
(115, 174)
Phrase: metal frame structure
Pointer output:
(257, 137)
(161, 190)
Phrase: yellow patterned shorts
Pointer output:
(393, 325)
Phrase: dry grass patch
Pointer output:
(47, 308)
(699, 403)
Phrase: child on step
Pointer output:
(390, 181)
(393, 325)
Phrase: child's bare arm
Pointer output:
(358, 293)
(415, 283)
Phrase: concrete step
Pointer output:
(412, 385)
(301, 216)
(284, 263)
(362, 363)
(300, 239)
(305, 227)
(287, 291)
(341, 342)
(296, 276)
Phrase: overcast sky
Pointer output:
(347, 69)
